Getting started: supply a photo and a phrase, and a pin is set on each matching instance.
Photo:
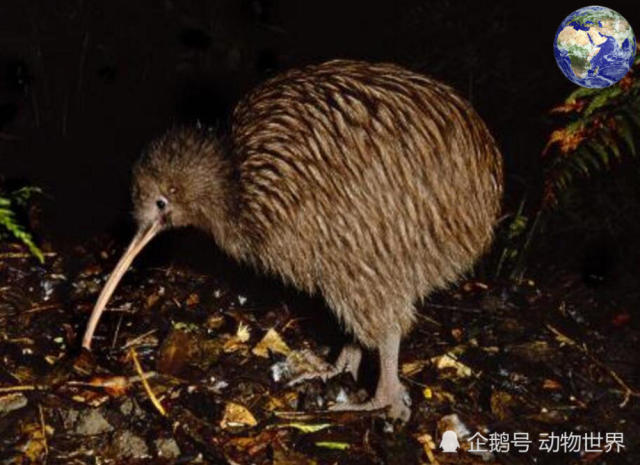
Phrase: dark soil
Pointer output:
(552, 356)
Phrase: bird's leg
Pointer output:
(390, 393)
(348, 361)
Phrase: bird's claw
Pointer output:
(396, 407)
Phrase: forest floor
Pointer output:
(549, 361)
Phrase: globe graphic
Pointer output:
(594, 47)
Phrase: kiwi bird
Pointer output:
(368, 184)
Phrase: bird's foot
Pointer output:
(348, 361)
(396, 403)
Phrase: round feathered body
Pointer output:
(367, 183)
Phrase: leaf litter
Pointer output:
(216, 356)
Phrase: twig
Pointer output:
(337, 416)
(134, 341)
(44, 432)
(28, 387)
(154, 400)
(41, 308)
(428, 445)
(115, 334)
(454, 307)
(429, 320)
(628, 391)
(6, 255)
(413, 381)
(112, 382)
(292, 322)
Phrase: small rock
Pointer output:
(11, 402)
(128, 445)
(533, 351)
(167, 448)
(126, 407)
(92, 422)
(69, 418)
(279, 371)
(342, 397)
(131, 408)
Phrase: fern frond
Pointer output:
(9, 222)
(625, 132)
(602, 98)
(579, 93)
(599, 126)
(22, 196)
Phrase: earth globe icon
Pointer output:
(594, 47)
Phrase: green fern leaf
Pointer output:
(592, 158)
(9, 222)
(624, 131)
(610, 143)
(601, 151)
(581, 92)
(22, 196)
(634, 116)
(579, 161)
(602, 99)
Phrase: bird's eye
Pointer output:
(161, 203)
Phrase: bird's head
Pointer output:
(180, 180)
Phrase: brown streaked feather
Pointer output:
(366, 182)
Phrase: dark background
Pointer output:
(85, 84)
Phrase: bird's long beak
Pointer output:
(142, 237)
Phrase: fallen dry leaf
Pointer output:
(299, 362)
(237, 416)
(271, 342)
(192, 300)
(92, 398)
(115, 386)
(501, 403)
(335, 445)
(286, 456)
(288, 400)
(253, 445)
(12, 401)
(551, 385)
(472, 286)
(429, 446)
(306, 427)
(35, 444)
(152, 299)
(176, 351)
(442, 397)
(238, 340)
(411, 368)
(446, 361)
(243, 333)
(215, 321)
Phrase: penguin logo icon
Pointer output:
(449, 442)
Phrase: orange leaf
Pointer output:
(576, 106)
(115, 386)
